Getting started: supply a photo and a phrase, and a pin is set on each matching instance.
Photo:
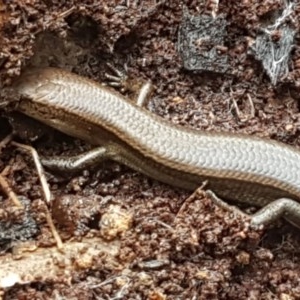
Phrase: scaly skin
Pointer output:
(237, 167)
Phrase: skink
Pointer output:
(236, 167)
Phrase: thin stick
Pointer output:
(9, 192)
(55, 234)
(5, 141)
(39, 168)
(45, 188)
(198, 191)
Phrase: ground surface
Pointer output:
(126, 236)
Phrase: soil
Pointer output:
(127, 236)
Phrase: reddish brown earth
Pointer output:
(127, 236)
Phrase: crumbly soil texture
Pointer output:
(215, 66)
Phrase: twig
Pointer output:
(39, 168)
(252, 108)
(45, 188)
(236, 108)
(55, 234)
(5, 141)
(5, 171)
(3, 183)
(191, 197)
(9, 192)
